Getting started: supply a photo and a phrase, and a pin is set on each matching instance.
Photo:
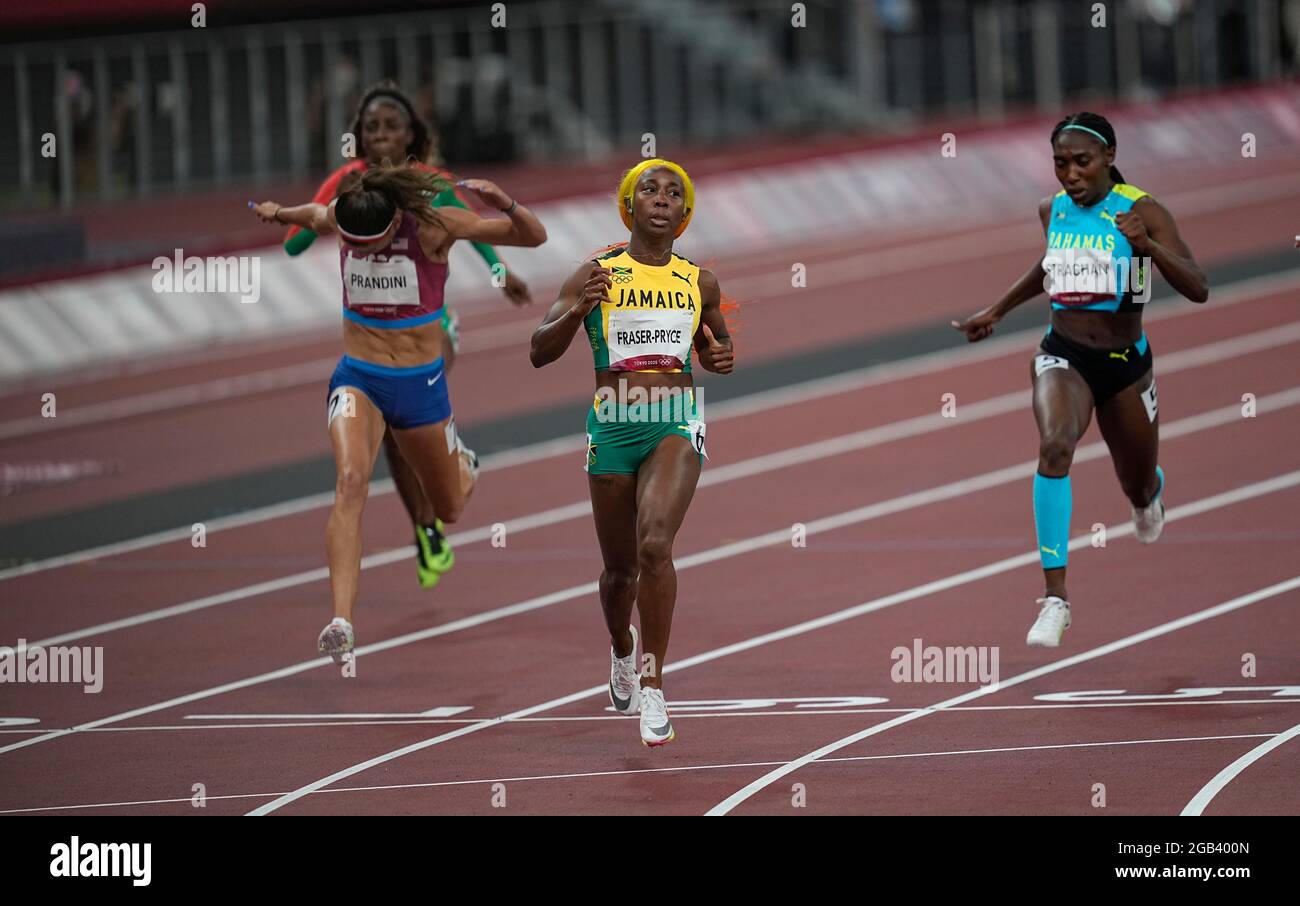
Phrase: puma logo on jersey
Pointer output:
(1105, 215)
(687, 278)
(1122, 356)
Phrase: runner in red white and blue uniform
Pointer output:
(393, 248)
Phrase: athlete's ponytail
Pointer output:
(368, 205)
(1098, 127)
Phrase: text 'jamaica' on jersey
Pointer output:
(651, 316)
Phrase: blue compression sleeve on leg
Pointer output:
(1052, 503)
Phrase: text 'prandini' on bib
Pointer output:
(396, 286)
(370, 281)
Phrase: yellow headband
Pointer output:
(626, 187)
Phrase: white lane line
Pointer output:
(667, 770)
(1227, 415)
(398, 720)
(1237, 603)
(1220, 780)
(1007, 344)
(439, 712)
(1196, 356)
(1269, 486)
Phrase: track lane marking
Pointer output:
(586, 718)
(929, 363)
(1229, 414)
(668, 770)
(914, 426)
(1213, 418)
(1227, 498)
(1206, 794)
(1237, 603)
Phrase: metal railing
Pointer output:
(173, 111)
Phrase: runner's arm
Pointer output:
(980, 325)
(583, 291)
(712, 341)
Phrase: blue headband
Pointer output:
(1101, 137)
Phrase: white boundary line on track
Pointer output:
(1226, 415)
(1220, 780)
(889, 372)
(1290, 479)
(666, 770)
(1278, 588)
(587, 718)
(1173, 363)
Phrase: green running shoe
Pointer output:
(433, 554)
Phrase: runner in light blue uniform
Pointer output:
(1102, 234)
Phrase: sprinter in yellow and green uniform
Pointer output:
(648, 326)
(643, 310)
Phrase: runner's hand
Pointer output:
(977, 326)
(265, 211)
(488, 191)
(716, 357)
(1134, 230)
(516, 290)
(595, 292)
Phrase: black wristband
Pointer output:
(510, 210)
(276, 215)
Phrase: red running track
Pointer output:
(516, 629)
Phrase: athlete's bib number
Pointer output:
(649, 338)
(1044, 362)
(373, 282)
(696, 428)
(1149, 400)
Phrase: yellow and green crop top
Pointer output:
(651, 318)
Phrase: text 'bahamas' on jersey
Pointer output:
(1089, 262)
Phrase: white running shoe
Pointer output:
(1051, 624)
(656, 728)
(336, 639)
(1149, 521)
(624, 681)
